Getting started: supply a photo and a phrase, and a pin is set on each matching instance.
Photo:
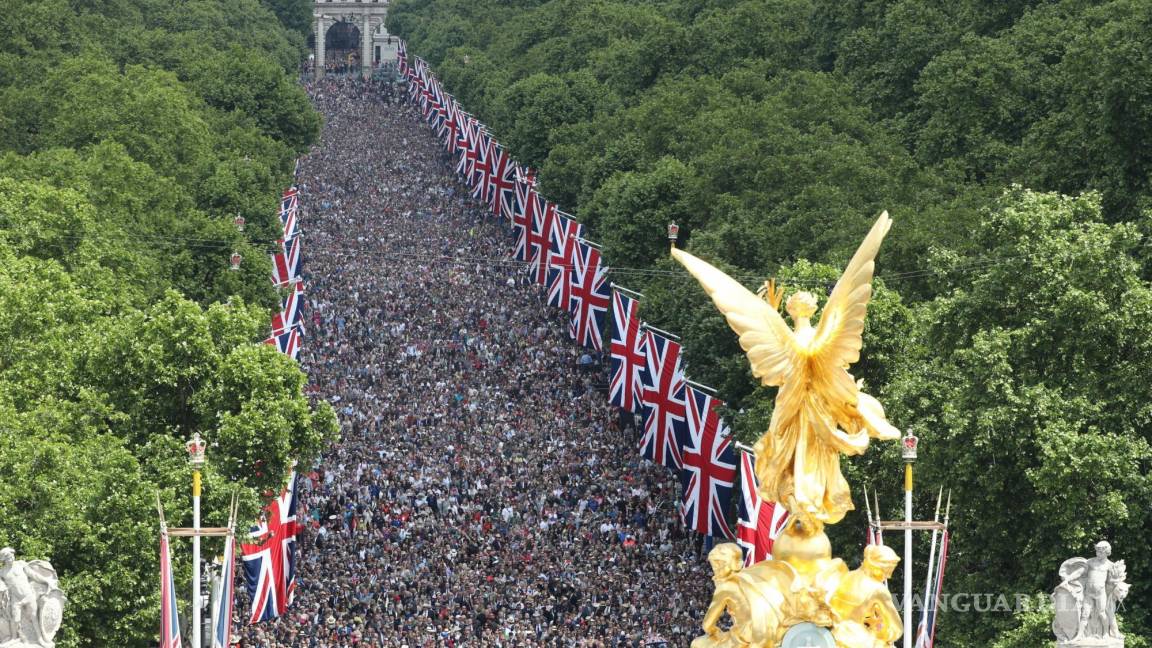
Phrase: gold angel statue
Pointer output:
(820, 410)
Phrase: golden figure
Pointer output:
(820, 411)
(802, 583)
(820, 414)
(868, 617)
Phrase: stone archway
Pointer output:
(342, 46)
(335, 22)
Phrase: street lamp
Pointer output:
(908, 446)
(196, 447)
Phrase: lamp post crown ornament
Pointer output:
(821, 412)
(908, 446)
(235, 260)
(196, 447)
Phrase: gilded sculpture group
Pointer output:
(820, 413)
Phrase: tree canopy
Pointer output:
(132, 133)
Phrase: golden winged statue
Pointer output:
(820, 410)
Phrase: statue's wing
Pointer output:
(763, 333)
(838, 335)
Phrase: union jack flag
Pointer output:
(662, 397)
(538, 237)
(447, 126)
(222, 623)
(270, 562)
(481, 166)
(286, 263)
(169, 616)
(469, 127)
(501, 181)
(760, 522)
(562, 259)
(437, 110)
(290, 316)
(288, 342)
(289, 208)
(590, 297)
(709, 468)
(628, 355)
(402, 58)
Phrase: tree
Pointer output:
(1025, 381)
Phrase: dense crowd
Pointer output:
(483, 493)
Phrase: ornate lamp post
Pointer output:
(908, 447)
(239, 222)
(196, 447)
(235, 260)
(673, 233)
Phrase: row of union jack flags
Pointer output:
(288, 323)
(549, 242)
(681, 422)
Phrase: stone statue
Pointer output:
(821, 411)
(802, 585)
(31, 603)
(1086, 599)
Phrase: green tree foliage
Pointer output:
(295, 14)
(132, 132)
(1008, 327)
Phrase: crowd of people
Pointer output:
(483, 492)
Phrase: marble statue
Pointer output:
(1086, 600)
(31, 602)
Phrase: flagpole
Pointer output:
(930, 577)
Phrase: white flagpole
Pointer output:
(930, 578)
(879, 528)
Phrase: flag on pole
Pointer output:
(662, 397)
(760, 522)
(290, 315)
(402, 59)
(591, 297)
(501, 181)
(169, 616)
(222, 624)
(270, 561)
(709, 468)
(286, 262)
(562, 260)
(628, 356)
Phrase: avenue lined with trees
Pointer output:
(1009, 142)
(1010, 329)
